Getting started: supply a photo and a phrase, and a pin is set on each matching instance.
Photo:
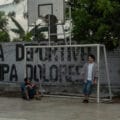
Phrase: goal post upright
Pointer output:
(25, 74)
(107, 72)
(98, 81)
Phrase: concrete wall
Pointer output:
(114, 65)
(46, 65)
(53, 67)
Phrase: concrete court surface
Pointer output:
(52, 108)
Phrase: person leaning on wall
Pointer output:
(89, 75)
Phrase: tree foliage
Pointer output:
(19, 30)
(4, 36)
(3, 21)
(17, 1)
(97, 21)
(37, 32)
(34, 34)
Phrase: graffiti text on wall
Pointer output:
(45, 64)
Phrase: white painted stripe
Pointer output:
(12, 119)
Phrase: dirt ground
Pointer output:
(54, 108)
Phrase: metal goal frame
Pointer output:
(98, 47)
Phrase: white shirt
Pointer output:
(90, 67)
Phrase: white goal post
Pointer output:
(62, 55)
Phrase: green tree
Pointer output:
(12, 14)
(17, 1)
(4, 36)
(23, 35)
(35, 33)
(97, 21)
(19, 30)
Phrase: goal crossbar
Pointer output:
(57, 46)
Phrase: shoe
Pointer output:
(85, 101)
(27, 98)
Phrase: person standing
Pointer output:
(89, 75)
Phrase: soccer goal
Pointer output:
(58, 68)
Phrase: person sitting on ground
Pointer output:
(29, 90)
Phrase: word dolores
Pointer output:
(53, 73)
